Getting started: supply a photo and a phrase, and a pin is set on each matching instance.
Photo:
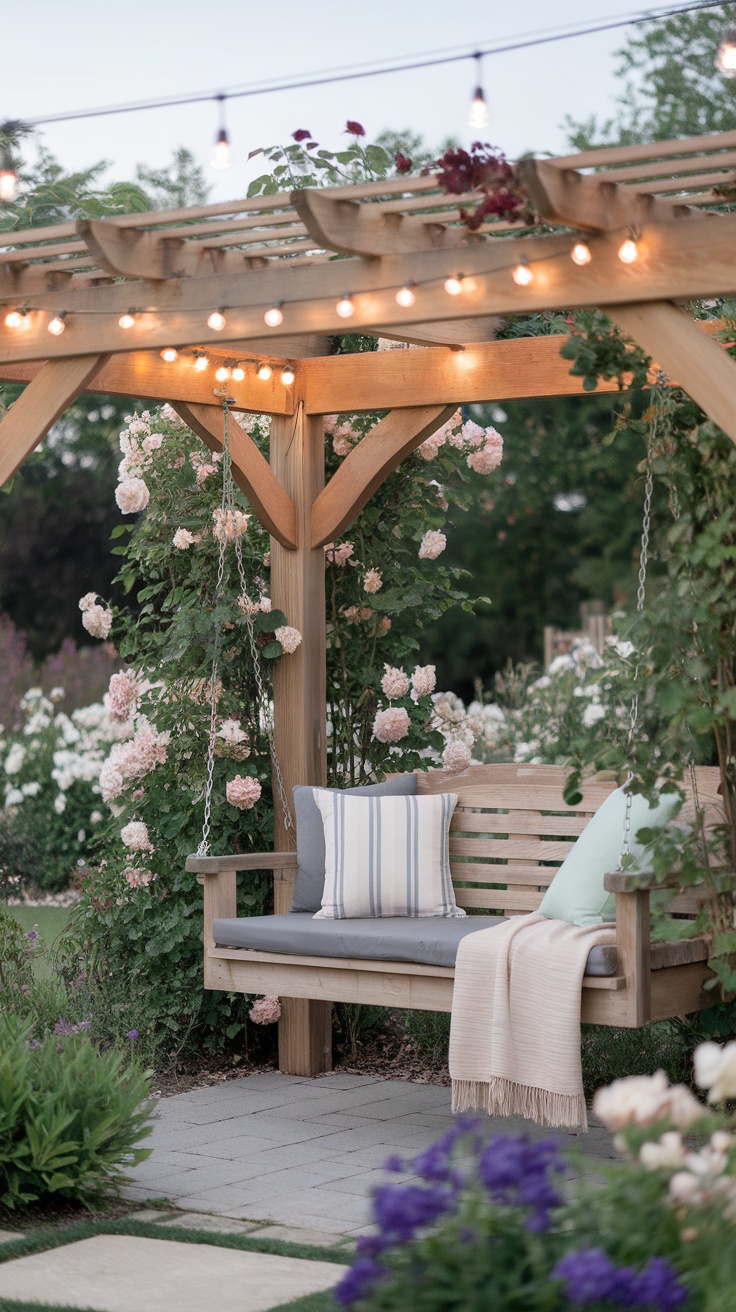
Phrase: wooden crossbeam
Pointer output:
(368, 464)
(594, 202)
(54, 388)
(354, 229)
(272, 506)
(456, 332)
(677, 261)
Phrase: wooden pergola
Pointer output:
(299, 253)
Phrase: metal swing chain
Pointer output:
(227, 507)
(641, 593)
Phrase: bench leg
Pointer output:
(305, 1036)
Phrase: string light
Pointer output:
(522, 274)
(169, 354)
(221, 154)
(57, 325)
(264, 372)
(478, 116)
(274, 317)
(8, 177)
(127, 320)
(726, 57)
(345, 307)
(405, 295)
(628, 251)
(17, 319)
(454, 284)
(201, 362)
(216, 321)
(222, 374)
(580, 253)
(238, 373)
(287, 376)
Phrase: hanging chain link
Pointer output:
(265, 705)
(641, 594)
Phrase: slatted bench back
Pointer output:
(512, 830)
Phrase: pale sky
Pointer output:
(89, 53)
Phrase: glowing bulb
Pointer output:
(454, 286)
(628, 251)
(264, 372)
(287, 376)
(345, 307)
(580, 253)
(522, 274)
(127, 320)
(216, 321)
(14, 319)
(57, 325)
(8, 179)
(726, 57)
(169, 354)
(405, 296)
(238, 373)
(222, 374)
(200, 364)
(221, 153)
(274, 317)
(478, 116)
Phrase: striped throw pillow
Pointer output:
(386, 856)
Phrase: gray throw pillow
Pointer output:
(310, 835)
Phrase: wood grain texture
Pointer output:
(57, 384)
(367, 465)
(215, 865)
(592, 202)
(632, 945)
(353, 229)
(272, 506)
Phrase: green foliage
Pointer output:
(70, 1117)
(599, 350)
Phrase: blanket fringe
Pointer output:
(501, 1097)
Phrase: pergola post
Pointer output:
(300, 698)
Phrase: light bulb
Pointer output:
(628, 251)
(169, 354)
(726, 56)
(345, 307)
(405, 296)
(274, 317)
(478, 116)
(222, 374)
(238, 373)
(522, 274)
(14, 319)
(221, 153)
(287, 376)
(264, 372)
(216, 321)
(57, 325)
(8, 183)
(127, 320)
(454, 285)
(200, 364)
(580, 253)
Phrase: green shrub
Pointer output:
(70, 1116)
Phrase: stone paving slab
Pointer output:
(285, 1151)
(120, 1273)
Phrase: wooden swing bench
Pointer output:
(510, 832)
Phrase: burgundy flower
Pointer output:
(357, 129)
(403, 165)
(301, 134)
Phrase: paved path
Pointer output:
(297, 1158)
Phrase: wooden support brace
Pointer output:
(271, 505)
(632, 941)
(130, 253)
(54, 387)
(593, 203)
(702, 368)
(368, 464)
(354, 229)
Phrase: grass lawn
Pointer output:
(49, 921)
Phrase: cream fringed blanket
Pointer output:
(515, 1029)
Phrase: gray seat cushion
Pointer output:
(426, 940)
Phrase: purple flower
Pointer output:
(132, 1034)
(517, 1173)
(65, 1027)
(657, 1285)
(301, 134)
(358, 1281)
(401, 1210)
(590, 1277)
(394, 1163)
(32, 934)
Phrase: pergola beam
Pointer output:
(596, 203)
(355, 229)
(56, 385)
(272, 506)
(677, 261)
(368, 464)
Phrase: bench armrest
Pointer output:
(217, 865)
(637, 881)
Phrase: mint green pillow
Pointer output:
(576, 893)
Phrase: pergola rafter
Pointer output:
(305, 250)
